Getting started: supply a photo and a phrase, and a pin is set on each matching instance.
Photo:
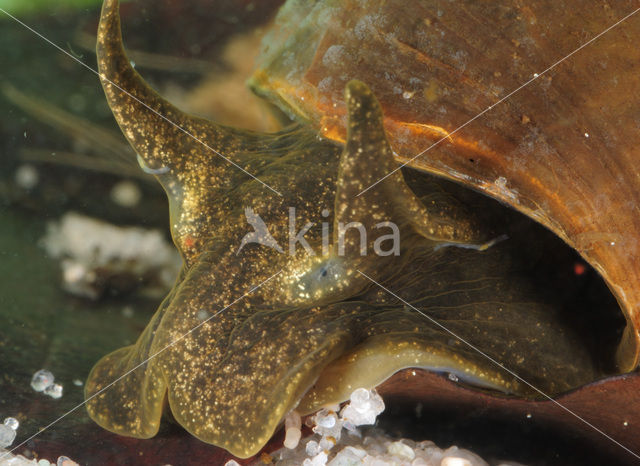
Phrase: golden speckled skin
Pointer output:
(305, 338)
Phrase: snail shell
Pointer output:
(528, 103)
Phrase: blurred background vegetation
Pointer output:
(21, 7)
